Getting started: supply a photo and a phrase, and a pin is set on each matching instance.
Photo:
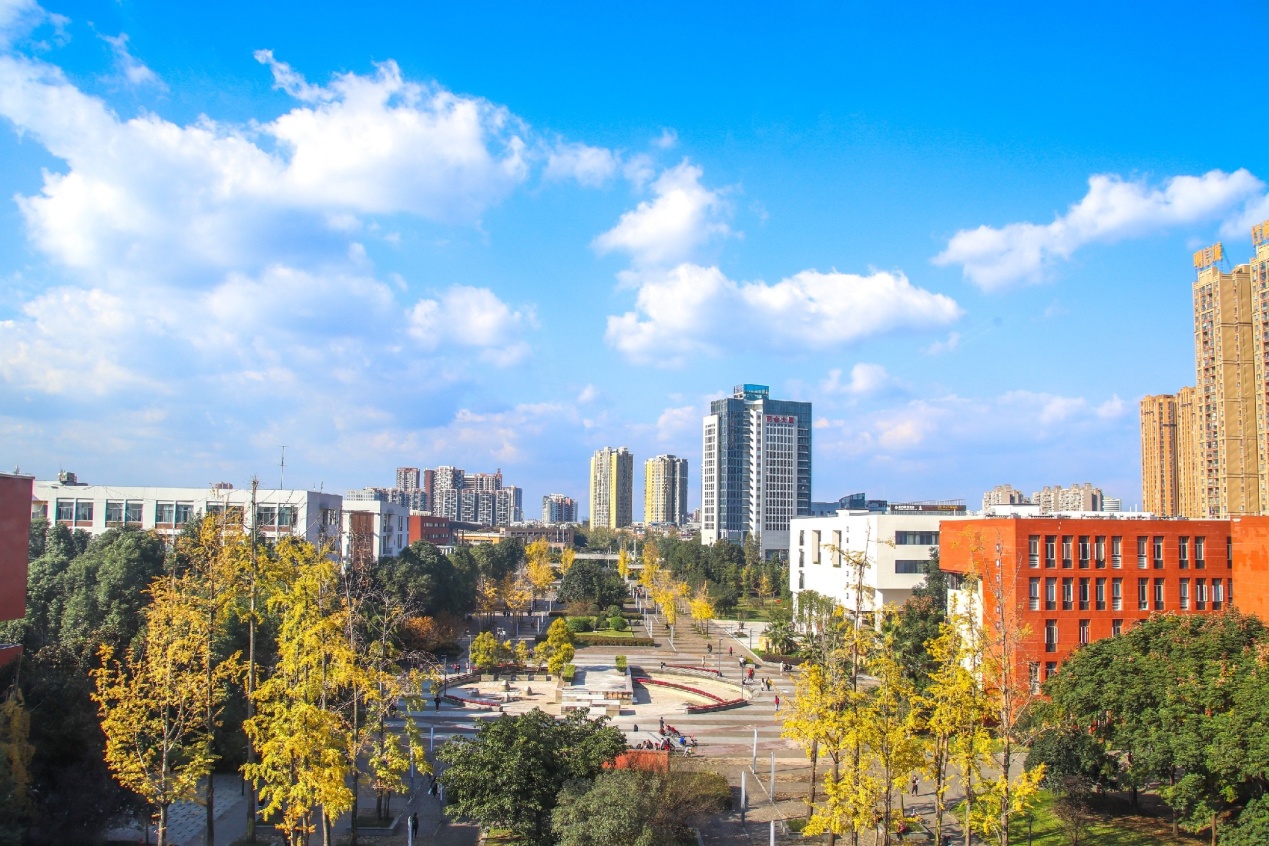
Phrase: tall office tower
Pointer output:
(408, 478)
(429, 484)
(611, 488)
(1258, 275)
(448, 479)
(1159, 465)
(1224, 356)
(665, 490)
(755, 468)
(558, 508)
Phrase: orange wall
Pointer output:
(1251, 565)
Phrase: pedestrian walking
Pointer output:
(777, 703)
(742, 663)
(916, 784)
(729, 652)
(751, 674)
(662, 720)
(433, 788)
(636, 728)
(709, 647)
(438, 703)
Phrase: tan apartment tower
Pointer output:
(611, 488)
(665, 490)
(1258, 277)
(1159, 466)
(1226, 389)
(1189, 469)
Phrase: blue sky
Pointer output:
(504, 235)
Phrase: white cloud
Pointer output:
(591, 166)
(691, 310)
(129, 69)
(589, 394)
(940, 347)
(667, 140)
(675, 424)
(470, 317)
(669, 229)
(864, 379)
(148, 196)
(1112, 210)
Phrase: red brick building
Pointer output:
(434, 530)
(1068, 581)
(15, 530)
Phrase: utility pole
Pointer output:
(282, 469)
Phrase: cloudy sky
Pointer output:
(502, 236)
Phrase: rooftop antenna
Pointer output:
(282, 471)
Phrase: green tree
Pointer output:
(587, 581)
(16, 753)
(511, 773)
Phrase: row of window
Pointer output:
(1092, 594)
(1091, 550)
(130, 512)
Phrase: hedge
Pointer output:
(582, 640)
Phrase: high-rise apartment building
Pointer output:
(1083, 497)
(1189, 471)
(1225, 353)
(1004, 495)
(1258, 277)
(665, 490)
(408, 478)
(611, 488)
(558, 508)
(755, 468)
(1160, 485)
(447, 479)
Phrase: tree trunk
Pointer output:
(162, 832)
(815, 757)
(209, 836)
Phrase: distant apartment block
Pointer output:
(479, 498)
(1083, 497)
(408, 478)
(612, 488)
(1004, 495)
(665, 490)
(558, 508)
(1160, 482)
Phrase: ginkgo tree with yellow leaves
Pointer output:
(153, 701)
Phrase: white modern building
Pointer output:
(895, 544)
(312, 515)
(373, 530)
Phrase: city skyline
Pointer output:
(974, 266)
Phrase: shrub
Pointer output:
(621, 663)
(568, 672)
(601, 623)
(618, 624)
(614, 610)
(579, 624)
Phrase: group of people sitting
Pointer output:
(665, 744)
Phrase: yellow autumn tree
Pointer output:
(517, 591)
(537, 568)
(152, 702)
(894, 740)
(303, 767)
(701, 608)
(623, 564)
(488, 595)
(559, 649)
(566, 560)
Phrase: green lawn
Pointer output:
(1129, 830)
(607, 634)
